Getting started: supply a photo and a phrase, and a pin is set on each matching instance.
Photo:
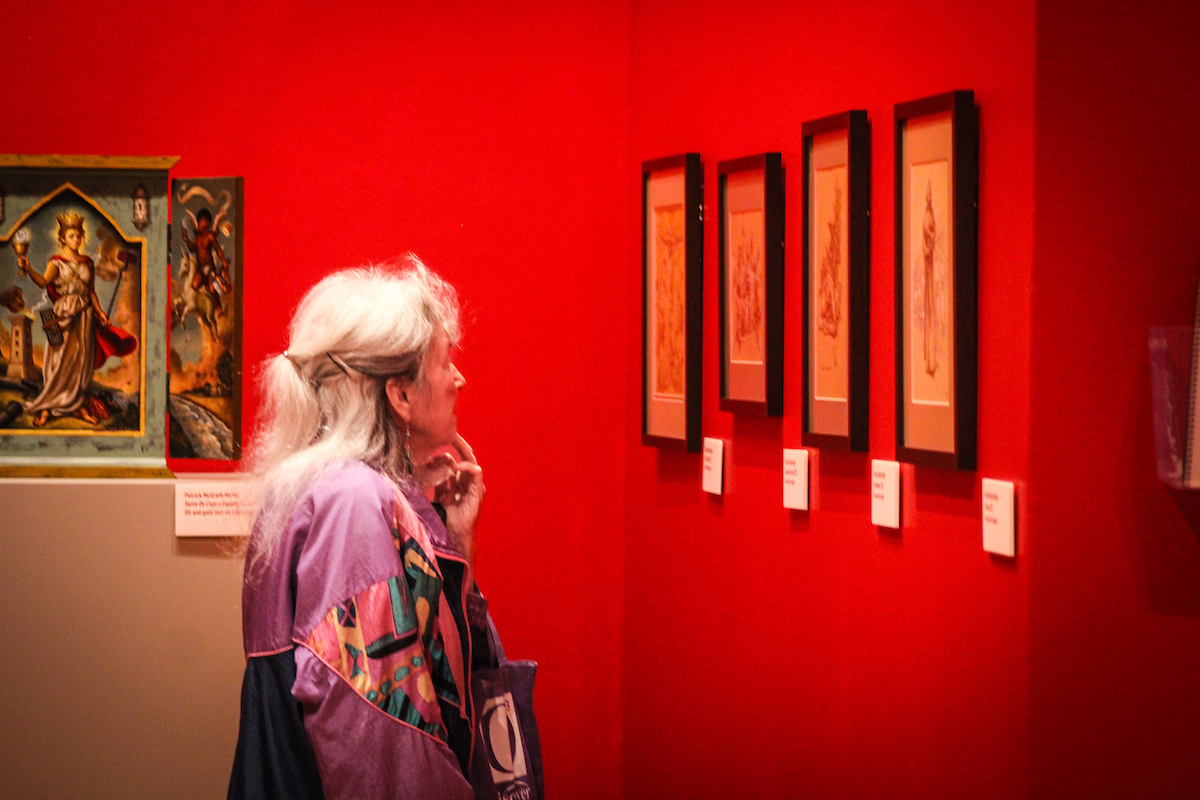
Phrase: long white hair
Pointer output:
(323, 399)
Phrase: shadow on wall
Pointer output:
(229, 548)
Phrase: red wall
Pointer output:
(1114, 606)
(491, 139)
(773, 653)
(701, 647)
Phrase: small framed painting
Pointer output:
(83, 283)
(672, 301)
(837, 281)
(750, 197)
(205, 369)
(937, 191)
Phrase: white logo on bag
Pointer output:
(517, 790)
(502, 734)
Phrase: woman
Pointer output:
(67, 368)
(361, 619)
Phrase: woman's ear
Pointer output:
(397, 390)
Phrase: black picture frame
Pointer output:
(747, 386)
(936, 413)
(840, 422)
(671, 418)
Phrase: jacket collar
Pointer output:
(439, 537)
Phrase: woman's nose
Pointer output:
(459, 380)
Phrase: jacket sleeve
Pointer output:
(368, 675)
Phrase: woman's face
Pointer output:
(72, 239)
(432, 401)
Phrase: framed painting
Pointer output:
(937, 191)
(83, 281)
(672, 301)
(750, 199)
(205, 365)
(837, 281)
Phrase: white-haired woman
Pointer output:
(361, 619)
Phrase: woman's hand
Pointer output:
(458, 488)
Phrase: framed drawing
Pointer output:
(206, 319)
(750, 199)
(83, 263)
(672, 300)
(937, 182)
(837, 281)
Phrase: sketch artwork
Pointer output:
(747, 287)
(669, 301)
(71, 282)
(930, 301)
(831, 301)
(671, 222)
(205, 361)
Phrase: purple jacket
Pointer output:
(360, 635)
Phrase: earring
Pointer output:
(408, 462)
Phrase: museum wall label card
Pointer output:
(885, 493)
(999, 529)
(714, 466)
(223, 507)
(795, 479)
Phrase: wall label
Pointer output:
(714, 466)
(795, 479)
(885, 493)
(999, 528)
(214, 508)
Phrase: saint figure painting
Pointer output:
(83, 335)
(74, 290)
(206, 275)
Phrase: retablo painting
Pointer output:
(206, 318)
(672, 301)
(82, 332)
(837, 280)
(751, 273)
(937, 175)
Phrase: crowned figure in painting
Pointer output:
(78, 334)
(71, 331)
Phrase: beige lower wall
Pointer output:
(122, 645)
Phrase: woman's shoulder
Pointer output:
(350, 484)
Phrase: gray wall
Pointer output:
(123, 655)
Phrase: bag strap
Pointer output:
(494, 642)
